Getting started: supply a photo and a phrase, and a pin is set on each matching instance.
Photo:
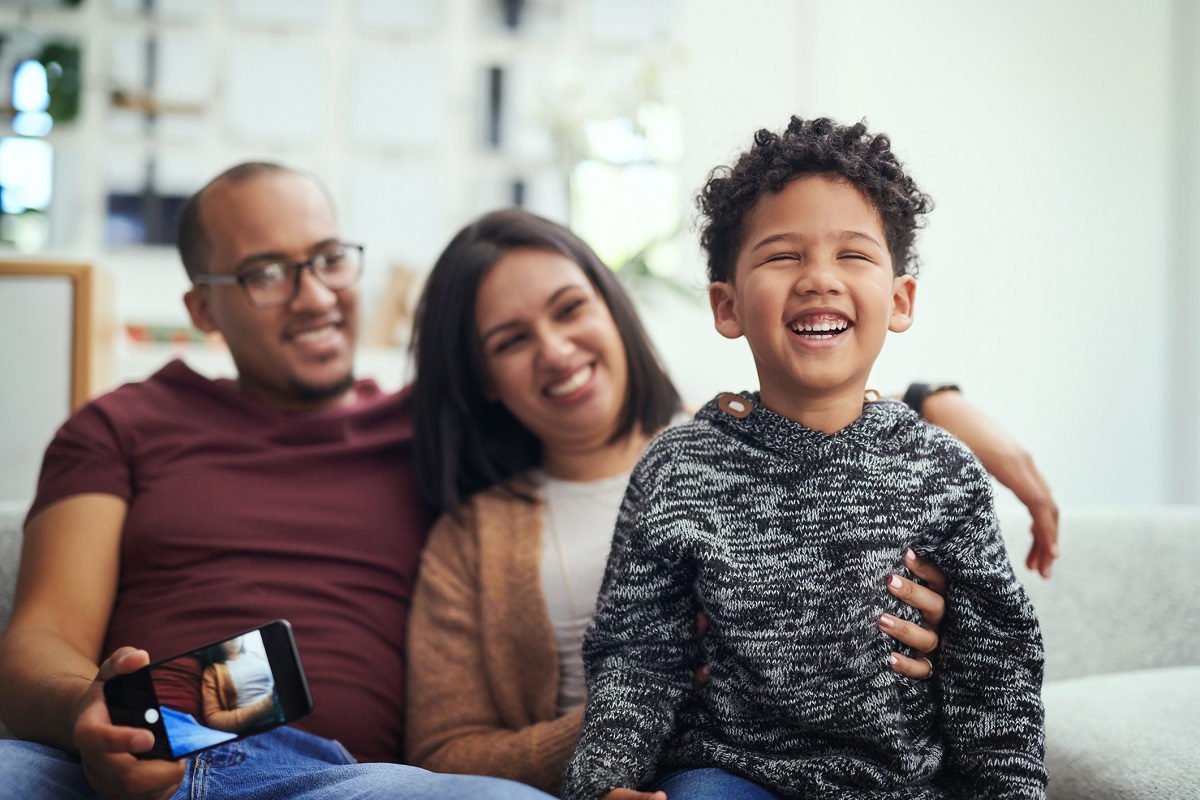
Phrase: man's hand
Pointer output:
(930, 601)
(106, 750)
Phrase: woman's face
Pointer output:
(551, 351)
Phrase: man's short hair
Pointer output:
(190, 236)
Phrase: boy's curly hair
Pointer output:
(811, 147)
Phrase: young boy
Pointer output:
(780, 513)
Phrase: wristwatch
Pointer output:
(914, 398)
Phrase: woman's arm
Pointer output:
(454, 722)
(232, 720)
(1008, 462)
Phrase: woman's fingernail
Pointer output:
(895, 659)
(909, 555)
(887, 622)
(895, 582)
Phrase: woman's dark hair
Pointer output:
(213, 654)
(811, 147)
(464, 443)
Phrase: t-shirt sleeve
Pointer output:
(639, 651)
(990, 659)
(86, 455)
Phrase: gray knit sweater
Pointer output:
(785, 538)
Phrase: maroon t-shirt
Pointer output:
(240, 514)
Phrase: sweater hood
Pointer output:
(883, 427)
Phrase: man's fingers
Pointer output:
(1045, 537)
(123, 776)
(926, 571)
(122, 662)
(920, 639)
(108, 738)
(931, 604)
(918, 668)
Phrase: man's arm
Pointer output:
(65, 593)
(1008, 462)
(66, 588)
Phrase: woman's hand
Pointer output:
(632, 794)
(1009, 463)
(930, 601)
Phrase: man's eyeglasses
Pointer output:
(278, 283)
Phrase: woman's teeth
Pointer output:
(315, 335)
(572, 383)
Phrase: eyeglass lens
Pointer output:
(278, 283)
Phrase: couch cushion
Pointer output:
(12, 517)
(1124, 735)
(1124, 590)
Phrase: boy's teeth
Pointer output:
(572, 383)
(821, 327)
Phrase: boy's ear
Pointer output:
(196, 300)
(724, 307)
(904, 296)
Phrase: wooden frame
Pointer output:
(92, 321)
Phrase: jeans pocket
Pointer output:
(227, 755)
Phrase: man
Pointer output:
(177, 511)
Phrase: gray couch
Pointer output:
(1121, 619)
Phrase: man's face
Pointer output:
(298, 356)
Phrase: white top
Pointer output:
(251, 675)
(577, 528)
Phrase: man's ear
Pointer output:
(196, 300)
(904, 296)
(724, 307)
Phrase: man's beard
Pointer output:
(310, 393)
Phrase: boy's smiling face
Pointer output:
(814, 295)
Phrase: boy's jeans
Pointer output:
(283, 763)
(709, 783)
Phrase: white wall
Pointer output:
(1184, 290)
(1043, 131)
(1060, 282)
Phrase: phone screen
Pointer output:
(236, 687)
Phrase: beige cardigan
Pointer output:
(482, 661)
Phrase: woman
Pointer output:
(237, 688)
(536, 392)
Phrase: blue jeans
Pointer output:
(709, 783)
(283, 763)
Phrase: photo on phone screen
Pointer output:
(239, 686)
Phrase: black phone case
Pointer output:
(129, 697)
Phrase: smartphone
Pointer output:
(226, 690)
